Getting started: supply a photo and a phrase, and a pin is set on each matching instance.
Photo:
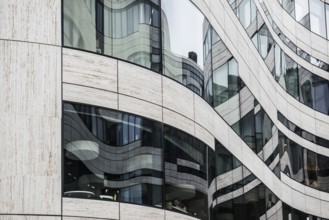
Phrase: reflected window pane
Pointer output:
(321, 94)
(186, 173)
(183, 43)
(220, 85)
(302, 13)
(305, 83)
(245, 13)
(127, 31)
(111, 155)
(317, 17)
(289, 6)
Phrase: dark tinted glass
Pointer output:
(185, 173)
(111, 155)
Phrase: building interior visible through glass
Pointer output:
(117, 156)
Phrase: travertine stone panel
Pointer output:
(137, 212)
(30, 79)
(81, 218)
(325, 208)
(178, 121)
(139, 82)
(90, 96)
(178, 98)
(34, 21)
(30, 165)
(28, 217)
(92, 70)
(313, 206)
(30, 128)
(204, 113)
(174, 215)
(90, 208)
(140, 107)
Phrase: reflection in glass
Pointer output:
(317, 17)
(185, 173)
(310, 165)
(224, 159)
(321, 94)
(291, 158)
(302, 13)
(111, 155)
(265, 41)
(130, 31)
(183, 40)
(286, 72)
(323, 172)
(306, 88)
(289, 6)
(247, 12)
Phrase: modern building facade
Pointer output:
(164, 109)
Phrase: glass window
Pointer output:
(323, 172)
(321, 94)
(291, 158)
(310, 168)
(317, 17)
(291, 76)
(233, 78)
(302, 13)
(183, 42)
(306, 88)
(186, 173)
(244, 13)
(111, 155)
(104, 28)
(224, 159)
(289, 6)
(220, 85)
(248, 129)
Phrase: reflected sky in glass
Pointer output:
(185, 28)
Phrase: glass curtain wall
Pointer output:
(185, 173)
(183, 37)
(303, 165)
(128, 30)
(117, 156)
(312, 14)
(111, 155)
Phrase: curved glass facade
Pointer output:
(312, 14)
(122, 157)
(117, 156)
(301, 53)
(159, 38)
(129, 30)
(310, 89)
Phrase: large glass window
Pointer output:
(302, 13)
(185, 173)
(291, 158)
(112, 27)
(321, 94)
(289, 6)
(247, 12)
(111, 155)
(317, 17)
(306, 87)
(183, 40)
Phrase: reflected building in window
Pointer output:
(164, 109)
